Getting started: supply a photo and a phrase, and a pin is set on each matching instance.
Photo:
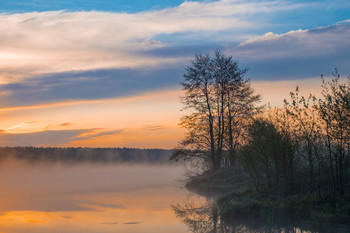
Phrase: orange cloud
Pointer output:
(140, 137)
(148, 120)
(65, 124)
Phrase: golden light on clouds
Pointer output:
(51, 61)
(148, 120)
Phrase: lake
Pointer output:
(58, 197)
(92, 197)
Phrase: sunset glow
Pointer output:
(168, 116)
(108, 75)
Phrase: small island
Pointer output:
(283, 164)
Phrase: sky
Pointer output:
(107, 73)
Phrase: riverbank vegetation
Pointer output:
(291, 160)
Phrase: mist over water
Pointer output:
(25, 180)
(89, 197)
(94, 197)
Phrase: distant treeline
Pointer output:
(93, 155)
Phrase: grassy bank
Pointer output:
(223, 182)
(237, 198)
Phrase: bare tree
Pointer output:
(306, 128)
(334, 109)
(216, 93)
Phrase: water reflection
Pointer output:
(92, 197)
(101, 198)
(199, 218)
(204, 217)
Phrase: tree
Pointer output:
(216, 93)
(268, 155)
(306, 128)
(334, 110)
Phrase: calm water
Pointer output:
(42, 197)
(59, 197)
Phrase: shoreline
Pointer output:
(236, 198)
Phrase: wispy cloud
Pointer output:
(53, 137)
(94, 133)
(43, 138)
(42, 42)
(104, 122)
(78, 78)
(24, 127)
(291, 55)
(65, 124)
(296, 54)
(94, 84)
(154, 127)
(312, 42)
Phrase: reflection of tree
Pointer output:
(199, 219)
(205, 218)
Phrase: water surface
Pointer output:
(60, 197)
(89, 197)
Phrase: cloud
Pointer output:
(65, 124)
(296, 54)
(93, 84)
(52, 137)
(109, 223)
(101, 206)
(292, 55)
(154, 127)
(61, 55)
(310, 43)
(65, 67)
(24, 127)
(94, 133)
(159, 110)
(32, 122)
(43, 138)
(57, 41)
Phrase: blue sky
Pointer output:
(86, 5)
(56, 54)
(323, 12)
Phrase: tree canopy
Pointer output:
(219, 97)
